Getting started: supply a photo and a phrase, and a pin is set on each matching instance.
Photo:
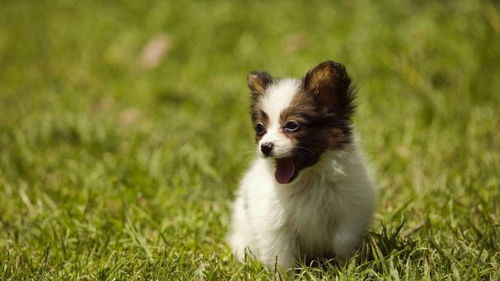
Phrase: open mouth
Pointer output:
(286, 170)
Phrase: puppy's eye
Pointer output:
(291, 126)
(260, 129)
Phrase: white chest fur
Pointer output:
(324, 212)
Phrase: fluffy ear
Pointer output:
(258, 81)
(331, 86)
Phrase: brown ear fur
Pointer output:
(331, 86)
(258, 81)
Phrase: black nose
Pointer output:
(266, 148)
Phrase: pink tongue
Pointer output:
(285, 170)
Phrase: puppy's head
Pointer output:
(296, 121)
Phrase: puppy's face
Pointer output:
(295, 121)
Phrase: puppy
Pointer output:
(308, 194)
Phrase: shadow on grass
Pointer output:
(389, 241)
(375, 254)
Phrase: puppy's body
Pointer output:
(311, 194)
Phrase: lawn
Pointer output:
(119, 161)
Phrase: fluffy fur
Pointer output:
(308, 194)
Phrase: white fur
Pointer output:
(327, 208)
(278, 96)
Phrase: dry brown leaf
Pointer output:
(129, 116)
(155, 51)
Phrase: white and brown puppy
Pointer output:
(309, 193)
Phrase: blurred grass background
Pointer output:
(114, 166)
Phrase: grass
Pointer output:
(110, 171)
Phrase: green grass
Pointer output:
(112, 172)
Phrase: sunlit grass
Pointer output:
(112, 171)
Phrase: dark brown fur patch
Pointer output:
(331, 86)
(259, 116)
(258, 81)
(323, 109)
